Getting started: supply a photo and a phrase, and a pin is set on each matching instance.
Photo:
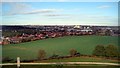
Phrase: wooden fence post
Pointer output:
(18, 62)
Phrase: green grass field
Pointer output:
(60, 46)
(81, 59)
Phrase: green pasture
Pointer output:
(60, 46)
(81, 59)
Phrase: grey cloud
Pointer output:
(57, 15)
(41, 11)
(53, 15)
(23, 8)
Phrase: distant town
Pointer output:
(25, 33)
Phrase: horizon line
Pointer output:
(54, 25)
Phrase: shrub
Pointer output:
(111, 51)
(41, 54)
(99, 50)
(73, 52)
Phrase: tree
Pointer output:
(41, 54)
(73, 52)
(111, 51)
(99, 50)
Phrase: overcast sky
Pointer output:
(60, 13)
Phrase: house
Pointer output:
(15, 40)
(5, 41)
(1, 42)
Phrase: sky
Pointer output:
(59, 13)
(59, 0)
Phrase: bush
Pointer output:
(111, 51)
(41, 54)
(7, 59)
(73, 52)
(99, 50)
(54, 56)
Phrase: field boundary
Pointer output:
(62, 63)
(18, 63)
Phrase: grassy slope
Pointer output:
(81, 59)
(61, 46)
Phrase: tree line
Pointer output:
(109, 51)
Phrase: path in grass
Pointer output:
(63, 63)
(59, 66)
